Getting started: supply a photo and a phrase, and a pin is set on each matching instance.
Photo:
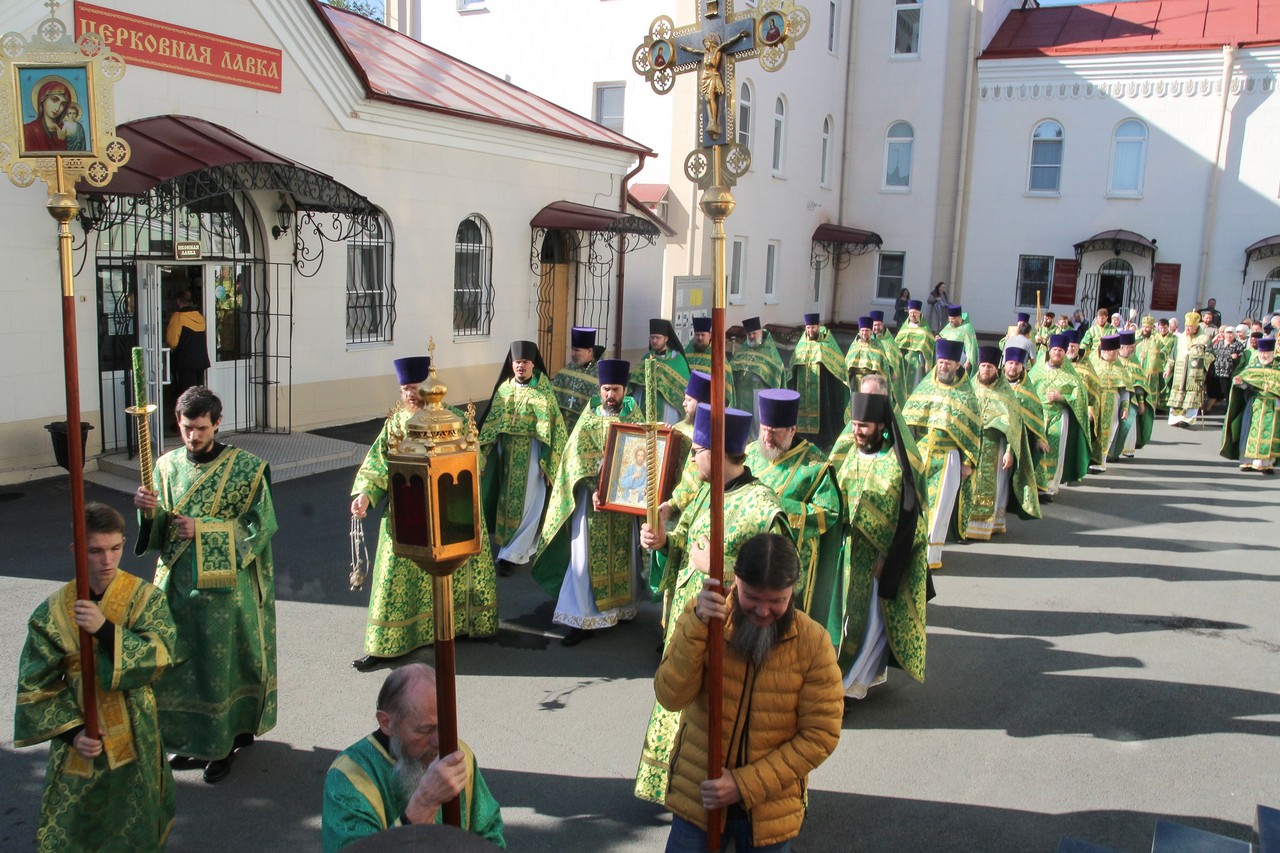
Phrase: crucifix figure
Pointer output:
(710, 81)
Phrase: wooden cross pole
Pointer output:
(712, 47)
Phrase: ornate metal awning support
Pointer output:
(598, 235)
(838, 245)
(1117, 241)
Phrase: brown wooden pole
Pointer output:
(63, 208)
(446, 683)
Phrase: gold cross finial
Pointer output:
(52, 6)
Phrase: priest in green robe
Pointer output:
(1066, 419)
(1004, 470)
(943, 415)
(756, 365)
(1026, 394)
(669, 375)
(804, 481)
(698, 355)
(819, 374)
(894, 362)
(521, 438)
(1113, 400)
(211, 519)
(1101, 327)
(866, 356)
(1150, 354)
(682, 559)
(115, 791)
(1249, 429)
(397, 777)
(1188, 361)
(915, 340)
(885, 579)
(959, 329)
(575, 383)
(1135, 428)
(588, 559)
(401, 599)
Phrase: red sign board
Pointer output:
(1065, 273)
(169, 47)
(1164, 286)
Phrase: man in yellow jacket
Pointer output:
(782, 705)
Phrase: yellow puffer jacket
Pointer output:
(780, 721)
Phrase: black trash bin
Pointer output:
(58, 433)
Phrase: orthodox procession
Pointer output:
(820, 454)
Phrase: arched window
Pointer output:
(1128, 158)
(371, 297)
(1046, 158)
(897, 155)
(779, 134)
(472, 278)
(824, 173)
(744, 114)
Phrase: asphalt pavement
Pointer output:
(1117, 662)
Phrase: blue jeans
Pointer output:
(686, 837)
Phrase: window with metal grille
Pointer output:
(1033, 278)
(472, 278)
(889, 279)
(371, 302)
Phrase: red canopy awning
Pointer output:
(572, 216)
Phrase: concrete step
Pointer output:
(1266, 827)
(1175, 838)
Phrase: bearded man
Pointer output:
(1003, 452)
(756, 365)
(1135, 428)
(698, 355)
(883, 338)
(818, 373)
(959, 329)
(1031, 408)
(915, 340)
(1249, 431)
(1189, 359)
(670, 373)
(396, 776)
(575, 383)
(1066, 419)
(865, 356)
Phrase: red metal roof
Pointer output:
(401, 70)
(649, 193)
(829, 233)
(1142, 25)
(583, 217)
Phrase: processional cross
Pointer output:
(713, 47)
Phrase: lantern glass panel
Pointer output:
(410, 507)
(457, 504)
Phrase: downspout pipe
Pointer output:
(962, 177)
(622, 261)
(1215, 174)
(846, 145)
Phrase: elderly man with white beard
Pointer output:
(396, 776)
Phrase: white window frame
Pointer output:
(746, 112)
(1031, 161)
(596, 113)
(465, 6)
(772, 254)
(1138, 142)
(779, 136)
(370, 289)
(737, 272)
(1048, 282)
(892, 142)
(824, 161)
(833, 24)
(817, 285)
(899, 8)
(898, 280)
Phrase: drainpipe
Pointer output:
(845, 145)
(1215, 175)
(622, 261)
(962, 178)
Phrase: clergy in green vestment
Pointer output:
(1150, 354)
(897, 366)
(521, 439)
(885, 581)
(575, 383)
(114, 792)
(819, 374)
(698, 355)
(669, 375)
(1081, 365)
(943, 415)
(1004, 471)
(401, 598)
(1102, 326)
(1188, 362)
(211, 519)
(397, 777)
(682, 559)
(1167, 338)
(804, 481)
(1135, 428)
(588, 559)
(1249, 429)
(1066, 419)
(865, 357)
(1026, 392)
(756, 365)
(697, 390)
(915, 341)
(1113, 399)
(959, 329)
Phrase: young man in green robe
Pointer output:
(669, 376)
(521, 439)
(885, 579)
(397, 777)
(575, 383)
(1101, 326)
(756, 365)
(698, 355)
(589, 558)
(114, 791)
(959, 329)
(1249, 429)
(804, 482)
(682, 560)
(401, 598)
(1004, 456)
(818, 372)
(915, 340)
(211, 519)
(1066, 419)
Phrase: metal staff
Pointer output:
(142, 410)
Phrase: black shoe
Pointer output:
(575, 636)
(186, 762)
(506, 568)
(244, 740)
(219, 769)
(1046, 499)
(368, 662)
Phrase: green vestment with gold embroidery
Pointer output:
(701, 361)
(610, 544)
(518, 414)
(1187, 363)
(574, 387)
(755, 369)
(1001, 415)
(670, 378)
(1074, 406)
(871, 485)
(819, 375)
(1249, 429)
(750, 507)
(124, 799)
(966, 335)
(221, 590)
(865, 358)
(1093, 335)
(917, 345)
(401, 594)
(1112, 377)
(945, 418)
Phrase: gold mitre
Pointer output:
(1148, 322)
(1191, 318)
